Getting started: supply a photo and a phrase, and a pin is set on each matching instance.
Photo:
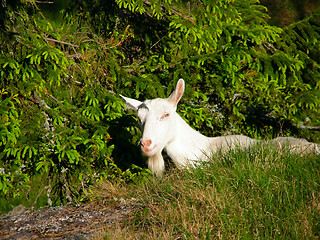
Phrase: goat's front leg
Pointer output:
(156, 164)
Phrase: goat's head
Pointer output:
(157, 120)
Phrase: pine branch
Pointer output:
(147, 3)
(41, 102)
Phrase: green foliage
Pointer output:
(12, 176)
(57, 106)
(227, 51)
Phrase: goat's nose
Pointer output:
(146, 143)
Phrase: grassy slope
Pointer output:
(261, 194)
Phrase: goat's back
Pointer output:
(295, 145)
(225, 143)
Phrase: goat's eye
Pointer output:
(165, 115)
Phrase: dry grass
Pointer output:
(261, 194)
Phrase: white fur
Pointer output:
(162, 128)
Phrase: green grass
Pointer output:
(32, 198)
(260, 194)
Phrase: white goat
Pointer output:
(162, 128)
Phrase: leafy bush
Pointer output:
(243, 75)
(12, 169)
(59, 110)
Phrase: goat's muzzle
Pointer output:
(146, 147)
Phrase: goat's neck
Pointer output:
(188, 144)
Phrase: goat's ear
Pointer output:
(177, 93)
(131, 103)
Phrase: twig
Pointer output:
(122, 39)
(49, 190)
(54, 98)
(63, 178)
(174, 12)
(156, 43)
(61, 42)
(49, 128)
(36, 200)
(41, 102)
(269, 46)
(313, 128)
(303, 126)
(39, 2)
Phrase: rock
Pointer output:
(65, 222)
